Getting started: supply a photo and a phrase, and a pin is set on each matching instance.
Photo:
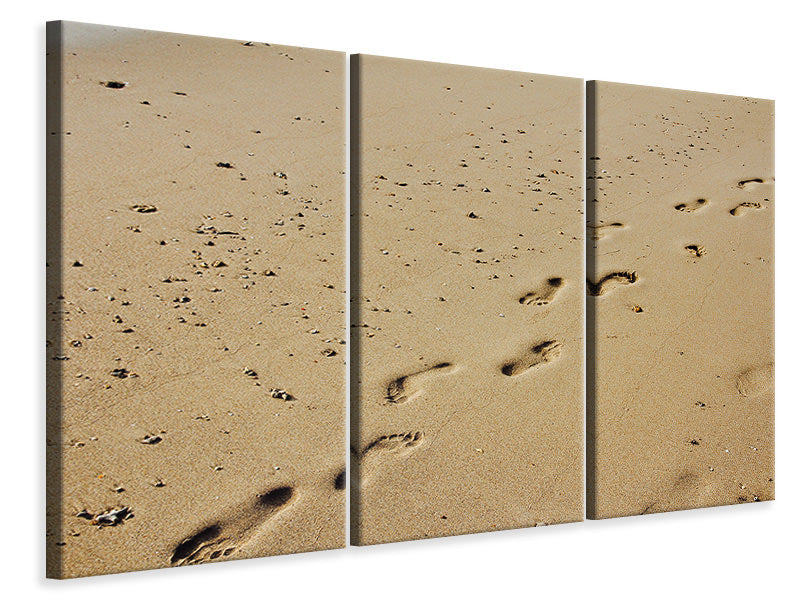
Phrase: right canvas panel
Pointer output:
(680, 309)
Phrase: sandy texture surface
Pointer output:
(201, 392)
(468, 315)
(680, 277)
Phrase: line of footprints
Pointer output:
(617, 278)
(239, 526)
(412, 386)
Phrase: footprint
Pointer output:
(611, 281)
(690, 207)
(538, 355)
(231, 533)
(386, 447)
(695, 250)
(743, 208)
(600, 231)
(409, 387)
(748, 183)
(756, 381)
(544, 294)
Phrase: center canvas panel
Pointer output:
(467, 269)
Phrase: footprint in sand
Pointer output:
(690, 207)
(231, 533)
(754, 382)
(745, 207)
(409, 387)
(388, 447)
(600, 231)
(544, 294)
(611, 281)
(750, 183)
(538, 355)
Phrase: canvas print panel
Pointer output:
(196, 300)
(467, 410)
(680, 300)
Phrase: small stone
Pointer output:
(120, 373)
(150, 439)
(144, 208)
(113, 517)
(280, 394)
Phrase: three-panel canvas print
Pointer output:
(550, 300)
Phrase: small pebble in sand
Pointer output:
(150, 439)
(280, 394)
(328, 352)
(120, 373)
(113, 517)
(144, 208)
(250, 373)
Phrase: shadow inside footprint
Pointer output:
(340, 482)
(544, 294)
(409, 387)
(539, 354)
(189, 546)
(232, 532)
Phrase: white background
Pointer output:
(742, 48)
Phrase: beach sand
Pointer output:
(681, 300)
(196, 353)
(468, 300)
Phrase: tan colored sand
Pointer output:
(238, 269)
(470, 201)
(684, 354)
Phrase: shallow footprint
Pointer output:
(409, 387)
(744, 207)
(690, 207)
(538, 355)
(387, 447)
(601, 231)
(611, 281)
(756, 381)
(231, 533)
(544, 294)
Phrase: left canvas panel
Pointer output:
(195, 300)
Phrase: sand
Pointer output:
(196, 301)
(681, 308)
(468, 300)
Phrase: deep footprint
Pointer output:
(538, 355)
(744, 207)
(746, 183)
(231, 533)
(544, 294)
(611, 281)
(409, 387)
(690, 207)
